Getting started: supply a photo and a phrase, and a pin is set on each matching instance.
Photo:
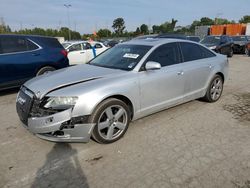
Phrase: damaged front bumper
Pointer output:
(56, 128)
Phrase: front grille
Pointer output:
(24, 104)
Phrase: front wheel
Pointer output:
(214, 90)
(112, 119)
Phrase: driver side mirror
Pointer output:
(152, 65)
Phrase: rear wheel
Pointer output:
(45, 70)
(112, 119)
(214, 90)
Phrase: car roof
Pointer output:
(154, 41)
(28, 36)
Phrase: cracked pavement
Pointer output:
(195, 144)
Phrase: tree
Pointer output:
(221, 21)
(144, 29)
(104, 33)
(119, 25)
(206, 21)
(245, 19)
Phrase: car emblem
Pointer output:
(21, 101)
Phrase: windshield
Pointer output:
(65, 45)
(125, 56)
(239, 38)
(211, 40)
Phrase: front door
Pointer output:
(160, 89)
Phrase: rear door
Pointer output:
(197, 65)
(164, 87)
(18, 57)
(77, 54)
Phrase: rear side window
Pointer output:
(167, 54)
(16, 44)
(75, 47)
(50, 42)
(206, 53)
(191, 51)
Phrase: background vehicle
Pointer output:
(247, 51)
(127, 82)
(221, 44)
(240, 43)
(175, 36)
(23, 57)
(80, 52)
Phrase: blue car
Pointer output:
(25, 56)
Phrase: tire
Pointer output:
(215, 86)
(45, 70)
(231, 53)
(110, 128)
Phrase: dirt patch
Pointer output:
(241, 109)
(241, 184)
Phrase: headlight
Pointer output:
(60, 102)
(212, 47)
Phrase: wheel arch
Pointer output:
(222, 75)
(122, 98)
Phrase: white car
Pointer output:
(80, 52)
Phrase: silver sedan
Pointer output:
(129, 81)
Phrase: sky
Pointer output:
(87, 16)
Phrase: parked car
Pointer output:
(221, 44)
(175, 36)
(240, 44)
(80, 52)
(127, 82)
(194, 38)
(25, 56)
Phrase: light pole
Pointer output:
(68, 6)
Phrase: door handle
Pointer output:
(82, 52)
(180, 73)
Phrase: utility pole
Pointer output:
(68, 6)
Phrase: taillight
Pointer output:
(64, 53)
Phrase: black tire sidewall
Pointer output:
(96, 115)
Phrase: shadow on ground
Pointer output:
(9, 91)
(61, 169)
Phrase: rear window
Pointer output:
(50, 42)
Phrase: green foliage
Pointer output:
(119, 25)
(167, 27)
(104, 33)
(245, 19)
(143, 29)
(63, 32)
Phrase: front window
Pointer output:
(125, 57)
(211, 40)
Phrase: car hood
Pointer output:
(44, 84)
